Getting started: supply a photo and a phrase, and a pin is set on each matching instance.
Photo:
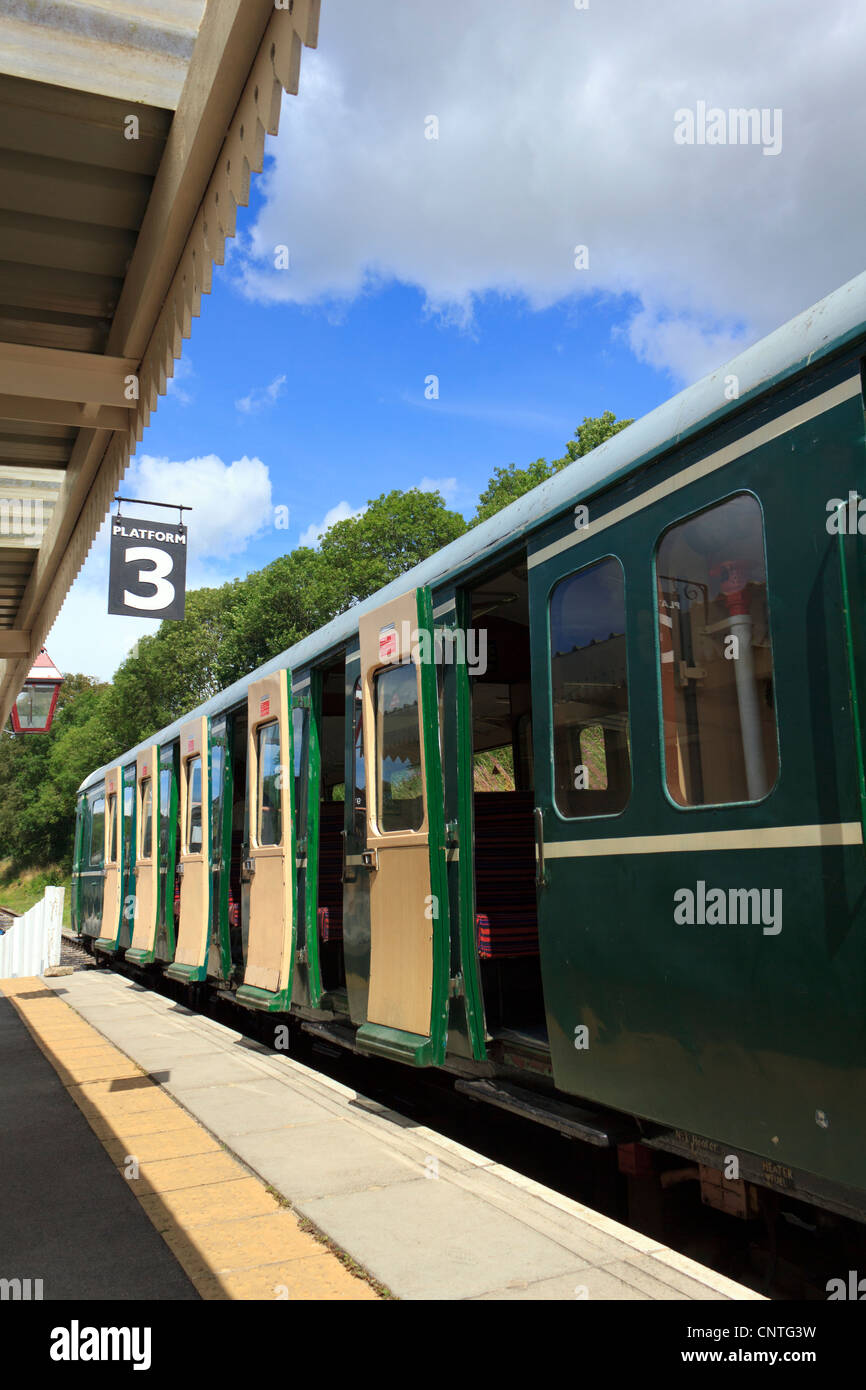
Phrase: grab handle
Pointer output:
(848, 629)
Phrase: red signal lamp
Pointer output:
(34, 709)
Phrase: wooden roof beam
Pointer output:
(54, 374)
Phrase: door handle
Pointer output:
(180, 869)
(370, 858)
(248, 868)
(540, 871)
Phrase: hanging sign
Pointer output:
(147, 572)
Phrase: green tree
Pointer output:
(511, 482)
(397, 530)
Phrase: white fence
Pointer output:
(32, 942)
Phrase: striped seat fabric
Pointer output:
(506, 917)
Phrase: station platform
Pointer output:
(253, 1176)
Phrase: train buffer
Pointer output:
(261, 1174)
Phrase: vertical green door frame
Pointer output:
(219, 932)
(466, 838)
(851, 576)
(436, 836)
(306, 846)
(129, 852)
(168, 762)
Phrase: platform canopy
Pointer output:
(109, 227)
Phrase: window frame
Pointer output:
(374, 820)
(188, 851)
(554, 584)
(695, 511)
(260, 779)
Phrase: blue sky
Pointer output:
(455, 256)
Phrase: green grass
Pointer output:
(22, 892)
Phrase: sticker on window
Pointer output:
(387, 643)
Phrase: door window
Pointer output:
(146, 817)
(97, 831)
(401, 791)
(270, 823)
(591, 752)
(193, 814)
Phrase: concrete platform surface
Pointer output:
(426, 1217)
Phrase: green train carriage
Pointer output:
(610, 848)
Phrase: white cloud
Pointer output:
(231, 504)
(447, 486)
(261, 396)
(317, 529)
(556, 129)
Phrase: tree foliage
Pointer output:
(511, 482)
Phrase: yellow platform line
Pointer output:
(232, 1238)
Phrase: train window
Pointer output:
(591, 755)
(193, 812)
(270, 826)
(112, 827)
(164, 802)
(97, 831)
(146, 817)
(716, 660)
(401, 792)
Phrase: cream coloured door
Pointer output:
(405, 856)
(190, 957)
(147, 854)
(111, 903)
(270, 864)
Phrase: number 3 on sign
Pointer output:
(157, 578)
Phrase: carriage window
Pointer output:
(270, 830)
(97, 831)
(591, 758)
(193, 814)
(112, 827)
(146, 817)
(401, 793)
(716, 659)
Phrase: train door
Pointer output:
(190, 958)
(225, 897)
(269, 867)
(111, 890)
(91, 881)
(129, 847)
(404, 852)
(147, 858)
(356, 878)
(167, 853)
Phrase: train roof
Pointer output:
(825, 328)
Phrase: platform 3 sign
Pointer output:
(147, 572)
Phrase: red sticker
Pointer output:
(264, 708)
(387, 643)
(190, 747)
